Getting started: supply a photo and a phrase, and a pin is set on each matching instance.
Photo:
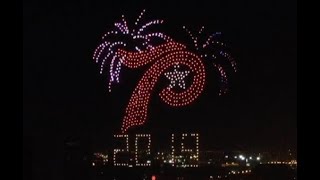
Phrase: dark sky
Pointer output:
(65, 96)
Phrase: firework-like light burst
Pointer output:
(209, 49)
(106, 51)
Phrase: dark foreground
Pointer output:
(261, 172)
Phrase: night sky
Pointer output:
(64, 96)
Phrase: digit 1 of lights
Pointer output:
(172, 150)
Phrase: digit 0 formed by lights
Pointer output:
(194, 153)
(139, 136)
(162, 55)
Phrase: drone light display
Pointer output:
(161, 58)
(177, 149)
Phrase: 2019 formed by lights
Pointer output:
(192, 153)
(162, 58)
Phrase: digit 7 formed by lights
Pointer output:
(166, 57)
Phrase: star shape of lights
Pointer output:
(177, 77)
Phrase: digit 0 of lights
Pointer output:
(139, 136)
